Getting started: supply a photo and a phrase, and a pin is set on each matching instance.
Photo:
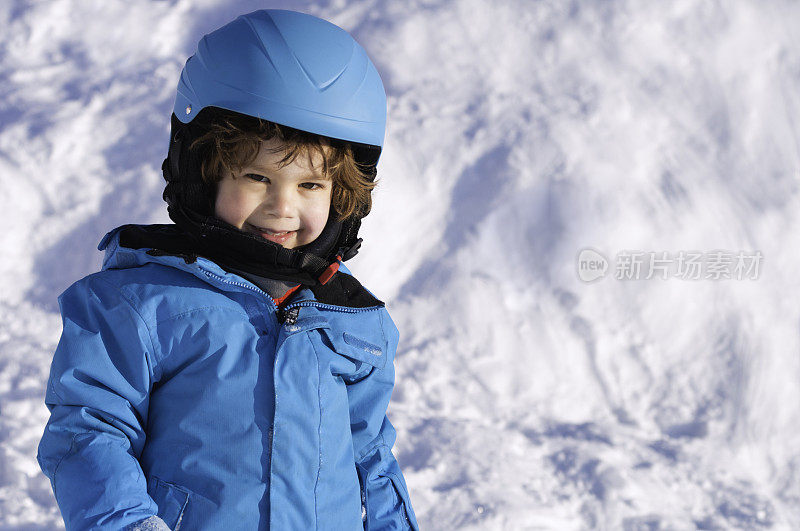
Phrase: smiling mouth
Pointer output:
(279, 237)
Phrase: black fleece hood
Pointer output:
(191, 206)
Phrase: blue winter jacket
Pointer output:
(175, 391)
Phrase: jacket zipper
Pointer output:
(290, 312)
(289, 315)
(332, 307)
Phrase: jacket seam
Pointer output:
(53, 388)
(319, 429)
(388, 356)
(202, 308)
(383, 331)
(58, 465)
(151, 359)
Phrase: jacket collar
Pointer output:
(118, 256)
(343, 290)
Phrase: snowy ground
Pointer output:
(520, 133)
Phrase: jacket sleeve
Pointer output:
(98, 394)
(384, 493)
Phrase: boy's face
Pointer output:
(287, 205)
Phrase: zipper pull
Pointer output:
(288, 316)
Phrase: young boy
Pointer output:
(227, 372)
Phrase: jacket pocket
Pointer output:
(356, 349)
(171, 500)
(356, 357)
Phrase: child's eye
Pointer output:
(311, 186)
(257, 177)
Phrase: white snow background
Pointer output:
(520, 132)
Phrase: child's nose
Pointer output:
(281, 203)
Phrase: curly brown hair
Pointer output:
(233, 141)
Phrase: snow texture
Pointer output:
(154, 523)
(519, 134)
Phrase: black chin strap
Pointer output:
(232, 248)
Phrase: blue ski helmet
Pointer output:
(288, 68)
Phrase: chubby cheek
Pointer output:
(314, 221)
(232, 205)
